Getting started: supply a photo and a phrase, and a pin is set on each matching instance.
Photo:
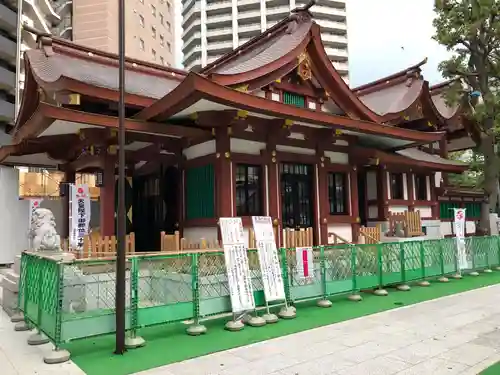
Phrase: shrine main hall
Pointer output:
(268, 129)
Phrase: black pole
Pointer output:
(120, 217)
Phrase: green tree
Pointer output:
(470, 29)
(472, 178)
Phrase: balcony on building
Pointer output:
(249, 30)
(247, 5)
(219, 21)
(276, 14)
(8, 48)
(219, 35)
(190, 29)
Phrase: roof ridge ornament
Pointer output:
(304, 8)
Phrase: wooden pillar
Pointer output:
(181, 190)
(434, 200)
(324, 210)
(443, 150)
(69, 178)
(223, 172)
(273, 186)
(411, 191)
(354, 197)
(107, 198)
(382, 193)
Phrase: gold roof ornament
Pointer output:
(242, 88)
(304, 67)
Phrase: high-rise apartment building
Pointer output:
(39, 14)
(149, 28)
(212, 28)
(93, 23)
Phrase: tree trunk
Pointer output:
(490, 181)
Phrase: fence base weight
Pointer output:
(270, 318)
(380, 292)
(425, 283)
(17, 317)
(22, 327)
(474, 273)
(324, 303)
(234, 325)
(457, 276)
(38, 339)
(355, 297)
(57, 356)
(403, 287)
(443, 279)
(133, 342)
(196, 330)
(497, 268)
(256, 321)
(287, 312)
(487, 270)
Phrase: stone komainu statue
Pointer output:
(43, 235)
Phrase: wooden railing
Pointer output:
(336, 239)
(95, 246)
(370, 235)
(298, 238)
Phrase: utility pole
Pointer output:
(120, 217)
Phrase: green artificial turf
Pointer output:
(492, 370)
(169, 343)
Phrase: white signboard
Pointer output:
(305, 262)
(459, 224)
(80, 214)
(270, 268)
(236, 259)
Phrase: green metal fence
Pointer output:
(69, 301)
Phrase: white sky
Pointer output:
(377, 31)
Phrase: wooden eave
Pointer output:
(394, 159)
(46, 114)
(195, 88)
(454, 191)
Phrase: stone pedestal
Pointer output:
(10, 286)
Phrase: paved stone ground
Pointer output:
(459, 334)
(454, 335)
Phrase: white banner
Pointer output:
(270, 268)
(459, 226)
(80, 214)
(305, 262)
(236, 259)
(34, 204)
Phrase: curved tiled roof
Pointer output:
(49, 68)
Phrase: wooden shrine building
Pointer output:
(268, 129)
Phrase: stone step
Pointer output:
(16, 267)
(11, 276)
(8, 284)
(9, 300)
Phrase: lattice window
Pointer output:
(473, 210)
(337, 193)
(294, 99)
(248, 190)
(200, 192)
(446, 209)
